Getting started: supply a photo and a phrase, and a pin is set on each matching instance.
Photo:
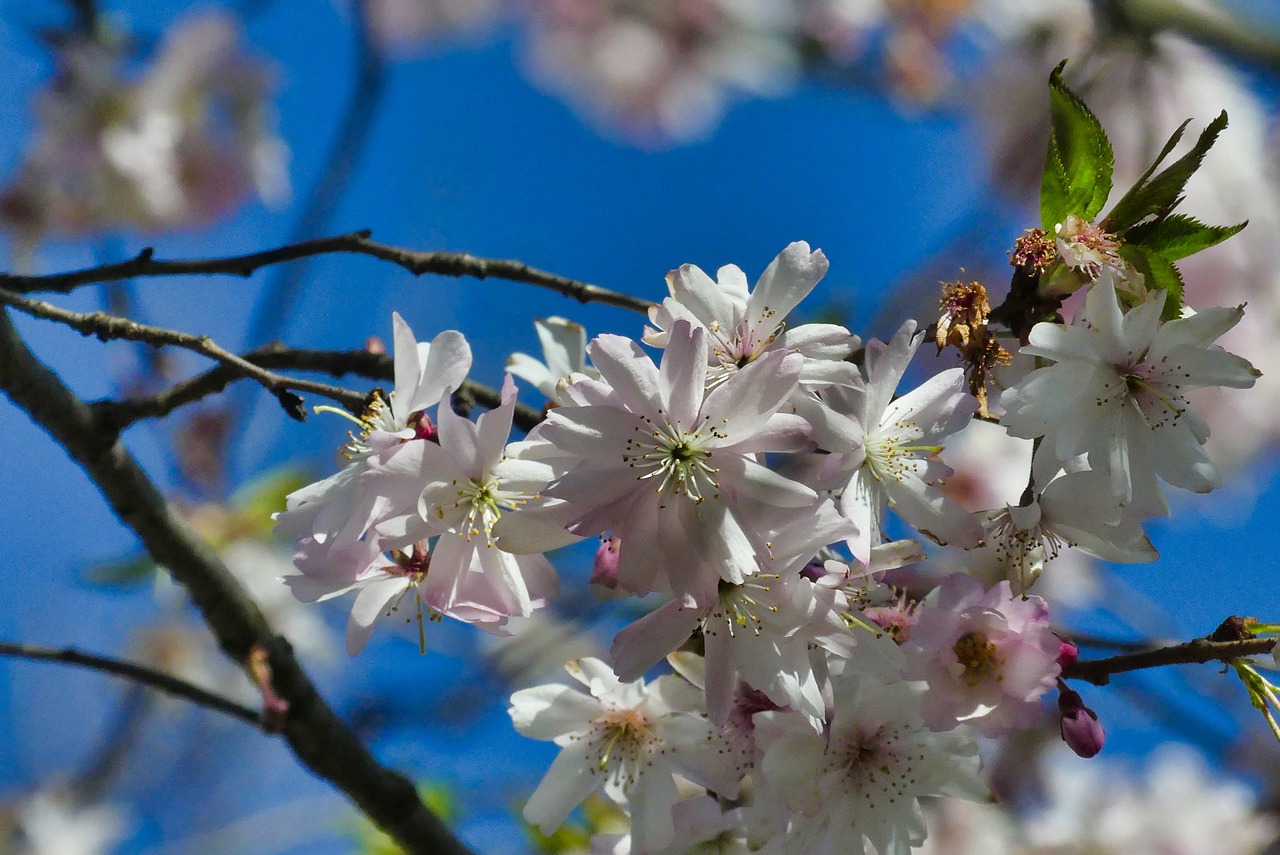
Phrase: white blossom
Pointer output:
(629, 739)
(1116, 391)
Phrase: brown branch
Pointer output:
(319, 739)
(375, 366)
(1200, 650)
(140, 674)
(440, 263)
(107, 327)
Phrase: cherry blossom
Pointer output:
(885, 450)
(988, 656)
(331, 517)
(460, 490)
(662, 462)
(744, 325)
(1067, 514)
(866, 776)
(564, 347)
(760, 631)
(1116, 391)
(629, 739)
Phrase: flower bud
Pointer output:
(604, 571)
(1068, 653)
(1080, 727)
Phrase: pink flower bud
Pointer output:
(423, 427)
(1068, 653)
(604, 572)
(1080, 727)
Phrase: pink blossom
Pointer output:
(671, 468)
(332, 518)
(988, 656)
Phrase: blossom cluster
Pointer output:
(745, 476)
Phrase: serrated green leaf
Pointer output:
(1079, 161)
(1174, 139)
(1177, 235)
(1160, 274)
(1161, 194)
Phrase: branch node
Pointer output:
(292, 404)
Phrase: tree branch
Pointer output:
(1200, 650)
(137, 673)
(317, 736)
(107, 327)
(439, 263)
(375, 366)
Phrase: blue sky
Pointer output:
(467, 155)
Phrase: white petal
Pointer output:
(785, 282)
(571, 778)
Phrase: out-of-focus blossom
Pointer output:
(404, 26)
(1175, 807)
(50, 822)
(663, 70)
(179, 145)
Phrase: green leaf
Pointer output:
(1160, 274)
(1177, 236)
(1079, 161)
(265, 495)
(123, 574)
(1161, 194)
(1173, 140)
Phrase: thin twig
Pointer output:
(453, 264)
(319, 739)
(1200, 650)
(86, 15)
(1124, 645)
(137, 673)
(358, 119)
(375, 366)
(107, 327)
